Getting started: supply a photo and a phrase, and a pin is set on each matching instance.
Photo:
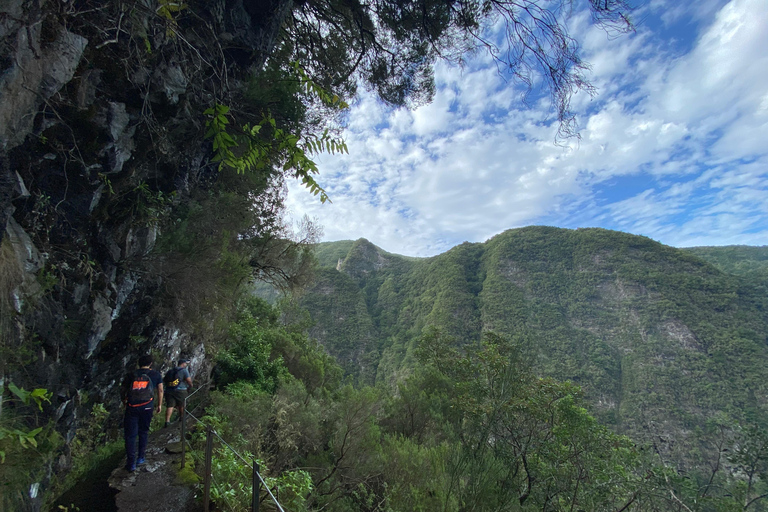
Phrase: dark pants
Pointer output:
(175, 397)
(136, 423)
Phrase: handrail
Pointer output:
(183, 426)
(209, 454)
(252, 469)
(195, 391)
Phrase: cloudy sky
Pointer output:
(673, 147)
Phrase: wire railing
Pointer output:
(256, 479)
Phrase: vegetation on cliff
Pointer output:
(659, 340)
(740, 260)
(470, 428)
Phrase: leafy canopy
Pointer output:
(392, 45)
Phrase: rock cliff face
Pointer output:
(101, 133)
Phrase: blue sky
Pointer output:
(673, 147)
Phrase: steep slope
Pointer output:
(330, 253)
(658, 338)
(739, 260)
(345, 318)
(112, 214)
(343, 301)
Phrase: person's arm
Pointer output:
(187, 378)
(124, 389)
(159, 397)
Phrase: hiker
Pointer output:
(178, 383)
(138, 392)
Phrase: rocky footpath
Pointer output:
(158, 485)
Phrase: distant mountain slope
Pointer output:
(329, 253)
(741, 260)
(658, 338)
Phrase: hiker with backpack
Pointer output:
(177, 383)
(142, 393)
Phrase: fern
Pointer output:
(248, 149)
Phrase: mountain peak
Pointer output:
(362, 259)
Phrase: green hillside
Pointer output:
(658, 338)
(740, 260)
(329, 253)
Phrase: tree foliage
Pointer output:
(250, 150)
(473, 428)
(393, 44)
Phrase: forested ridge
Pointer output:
(742, 260)
(606, 289)
(659, 340)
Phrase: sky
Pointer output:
(674, 146)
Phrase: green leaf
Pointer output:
(23, 395)
(40, 395)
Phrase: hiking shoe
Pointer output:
(130, 468)
(140, 461)
(167, 424)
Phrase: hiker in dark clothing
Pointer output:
(178, 382)
(142, 393)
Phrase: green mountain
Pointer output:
(660, 339)
(741, 260)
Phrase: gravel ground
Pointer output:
(154, 486)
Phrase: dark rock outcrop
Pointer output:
(101, 132)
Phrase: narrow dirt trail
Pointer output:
(155, 486)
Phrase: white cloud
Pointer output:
(476, 161)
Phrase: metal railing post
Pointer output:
(256, 487)
(257, 479)
(183, 435)
(208, 463)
